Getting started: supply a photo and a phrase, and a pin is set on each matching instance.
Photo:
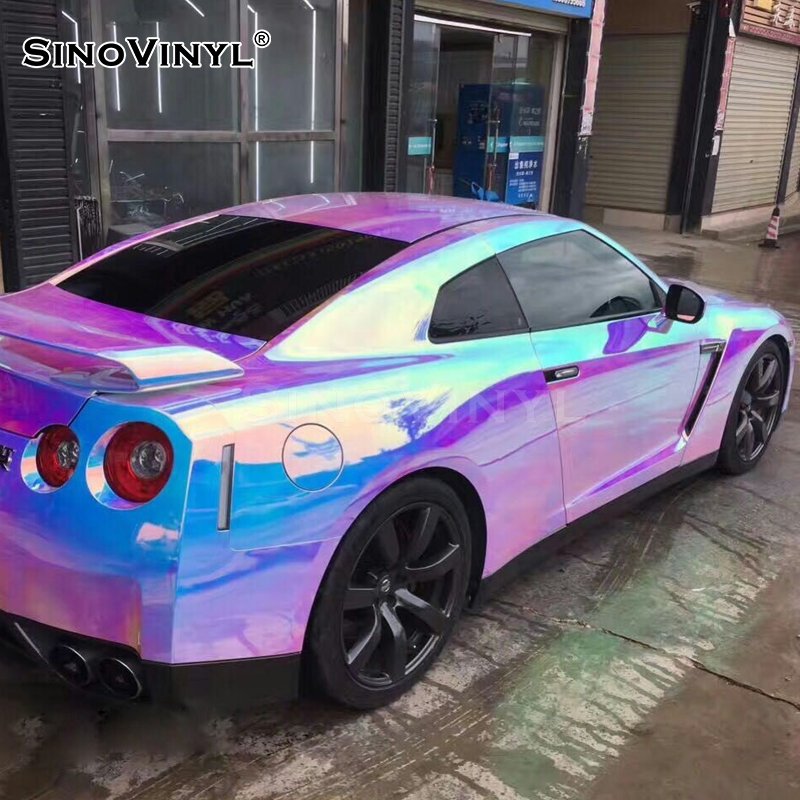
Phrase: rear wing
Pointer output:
(113, 371)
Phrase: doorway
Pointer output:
(479, 112)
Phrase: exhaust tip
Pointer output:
(119, 678)
(71, 665)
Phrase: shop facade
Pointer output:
(636, 132)
(472, 98)
(757, 133)
(484, 99)
(696, 116)
(148, 146)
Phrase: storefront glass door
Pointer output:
(422, 107)
(478, 112)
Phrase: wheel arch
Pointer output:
(786, 357)
(476, 513)
(473, 505)
(783, 346)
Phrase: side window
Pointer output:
(479, 302)
(575, 278)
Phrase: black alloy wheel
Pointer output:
(759, 406)
(755, 412)
(401, 594)
(393, 594)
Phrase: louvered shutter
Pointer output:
(33, 118)
(756, 125)
(636, 117)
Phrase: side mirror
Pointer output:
(684, 304)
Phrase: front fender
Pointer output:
(744, 329)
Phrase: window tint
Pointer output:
(241, 275)
(576, 278)
(479, 302)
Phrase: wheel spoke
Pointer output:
(422, 610)
(754, 378)
(759, 428)
(436, 568)
(749, 440)
(361, 652)
(359, 597)
(741, 429)
(767, 374)
(768, 400)
(388, 544)
(424, 527)
(398, 644)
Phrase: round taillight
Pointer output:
(57, 455)
(138, 462)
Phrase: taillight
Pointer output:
(138, 462)
(57, 455)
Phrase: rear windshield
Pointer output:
(241, 275)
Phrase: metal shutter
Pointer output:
(636, 116)
(757, 121)
(33, 116)
(794, 170)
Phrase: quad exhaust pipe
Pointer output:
(119, 678)
(116, 675)
(71, 665)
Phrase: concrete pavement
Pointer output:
(656, 657)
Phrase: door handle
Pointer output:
(562, 373)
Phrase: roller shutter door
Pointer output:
(636, 116)
(757, 122)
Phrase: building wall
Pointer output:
(637, 17)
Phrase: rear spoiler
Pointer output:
(114, 371)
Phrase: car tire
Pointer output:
(755, 411)
(392, 594)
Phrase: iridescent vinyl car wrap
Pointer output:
(280, 446)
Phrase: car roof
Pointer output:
(403, 217)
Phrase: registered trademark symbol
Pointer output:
(262, 38)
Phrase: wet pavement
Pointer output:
(656, 657)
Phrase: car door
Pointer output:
(500, 413)
(622, 376)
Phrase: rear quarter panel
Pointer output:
(82, 560)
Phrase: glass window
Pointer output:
(284, 168)
(170, 99)
(293, 83)
(522, 74)
(241, 275)
(576, 278)
(479, 302)
(421, 103)
(155, 183)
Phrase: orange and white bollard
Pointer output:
(771, 239)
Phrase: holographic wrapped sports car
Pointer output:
(308, 432)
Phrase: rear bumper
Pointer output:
(219, 685)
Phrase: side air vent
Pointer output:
(715, 350)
